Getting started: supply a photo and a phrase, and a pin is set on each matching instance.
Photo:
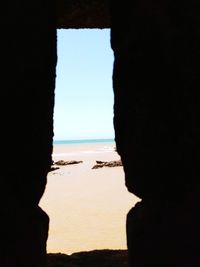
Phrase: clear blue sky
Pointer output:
(84, 94)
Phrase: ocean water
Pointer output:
(63, 148)
(82, 141)
(87, 207)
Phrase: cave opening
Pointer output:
(77, 196)
(87, 207)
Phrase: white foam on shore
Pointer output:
(64, 154)
(99, 151)
(87, 207)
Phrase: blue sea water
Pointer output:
(83, 141)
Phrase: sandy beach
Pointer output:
(87, 207)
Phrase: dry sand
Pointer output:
(87, 207)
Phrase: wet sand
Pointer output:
(87, 207)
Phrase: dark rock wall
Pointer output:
(156, 120)
(157, 128)
(78, 14)
(28, 60)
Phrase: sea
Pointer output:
(82, 147)
(82, 141)
(87, 207)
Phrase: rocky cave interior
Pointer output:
(152, 37)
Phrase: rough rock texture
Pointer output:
(113, 163)
(53, 169)
(157, 128)
(78, 14)
(28, 59)
(156, 80)
(97, 258)
(67, 162)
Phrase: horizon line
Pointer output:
(83, 139)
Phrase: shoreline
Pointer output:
(83, 141)
(86, 206)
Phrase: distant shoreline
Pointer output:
(86, 206)
(83, 141)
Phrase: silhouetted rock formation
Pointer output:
(100, 164)
(95, 258)
(28, 58)
(156, 79)
(53, 169)
(83, 14)
(67, 162)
